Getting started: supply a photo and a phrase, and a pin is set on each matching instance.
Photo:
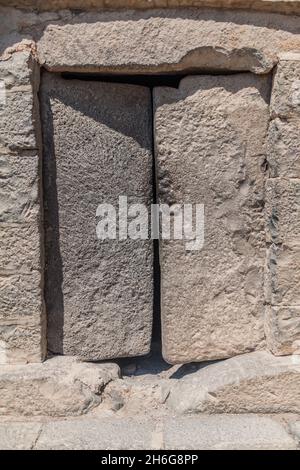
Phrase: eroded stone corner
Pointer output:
(22, 318)
(282, 280)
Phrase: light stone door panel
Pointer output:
(210, 149)
(97, 140)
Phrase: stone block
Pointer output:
(22, 340)
(285, 99)
(21, 295)
(19, 248)
(19, 192)
(97, 147)
(257, 382)
(282, 275)
(58, 387)
(167, 41)
(226, 432)
(283, 148)
(210, 146)
(283, 330)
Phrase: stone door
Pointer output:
(210, 149)
(209, 138)
(97, 141)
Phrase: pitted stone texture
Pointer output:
(209, 137)
(58, 387)
(19, 77)
(284, 149)
(283, 330)
(97, 141)
(285, 99)
(21, 280)
(282, 233)
(22, 339)
(251, 383)
(19, 192)
(165, 41)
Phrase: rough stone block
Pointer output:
(210, 145)
(97, 147)
(94, 434)
(283, 330)
(19, 192)
(22, 340)
(285, 99)
(282, 276)
(251, 383)
(225, 432)
(282, 211)
(19, 436)
(21, 295)
(188, 39)
(19, 248)
(283, 148)
(58, 387)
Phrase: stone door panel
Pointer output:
(210, 149)
(97, 140)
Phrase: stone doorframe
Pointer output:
(180, 41)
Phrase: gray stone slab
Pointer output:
(18, 436)
(97, 147)
(210, 147)
(226, 432)
(102, 433)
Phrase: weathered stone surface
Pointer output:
(22, 339)
(58, 387)
(282, 233)
(94, 434)
(282, 279)
(282, 6)
(209, 137)
(285, 99)
(283, 330)
(283, 148)
(256, 383)
(176, 433)
(295, 430)
(22, 325)
(97, 147)
(19, 192)
(19, 436)
(162, 41)
(225, 432)
(19, 248)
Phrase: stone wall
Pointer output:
(183, 40)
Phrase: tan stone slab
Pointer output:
(209, 137)
(97, 147)
(285, 99)
(59, 387)
(257, 382)
(165, 41)
(283, 330)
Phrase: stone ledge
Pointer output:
(257, 382)
(219, 432)
(61, 386)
